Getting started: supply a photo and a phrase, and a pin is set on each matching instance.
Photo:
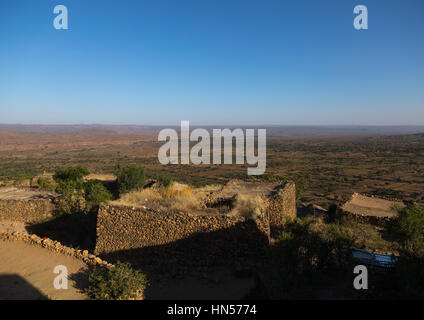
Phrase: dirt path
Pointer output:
(26, 272)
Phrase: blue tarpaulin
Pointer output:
(374, 259)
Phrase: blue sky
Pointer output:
(212, 62)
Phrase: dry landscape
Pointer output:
(332, 165)
(216, 213)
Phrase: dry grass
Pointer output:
(176, 197)
(248, 207)
(181, 197)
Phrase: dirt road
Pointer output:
(26, 272)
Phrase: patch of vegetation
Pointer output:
(270, 177)
(306, 251)
(95, 193)
(410, 226)
(22, 176)
(302, 185)
(70, 185)
(119, 283)
(45, 184)
(75, 174)
(248, 206)
(170, 199)
(76, 194)
(130, 178)
(164, 179)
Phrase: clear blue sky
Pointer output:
(212, 62)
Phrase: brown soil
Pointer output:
(12, 193)
(368, 206)
(26, 272)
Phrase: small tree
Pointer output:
(70, 185)
(119, 283)
(95, 193)
(130, 178)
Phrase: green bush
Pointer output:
(71, 174)
(119, 283)
(270, 177)
(163, 179)
(410, 225)
(45, 184)
(95, 193)
(70, 185)
(130, 178)
(71, 196)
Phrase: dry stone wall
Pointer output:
(186, 241)
(280, 206)
(177, 241)
(31, 211)
(55, 246)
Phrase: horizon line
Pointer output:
(210, 125)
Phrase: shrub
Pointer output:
(163, 179)
(45, 184)
(95, 193)
(71, 196)
(130, 178)
(301, 186)
(119, 283)
(410, 225)
(71, 174)
(304, 259)
(270, 177)
(70, 185)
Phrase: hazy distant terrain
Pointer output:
(271, 130)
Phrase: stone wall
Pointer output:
(187, 241)
(55, 246)
(31, 211)
(180, 240)
(280, 206)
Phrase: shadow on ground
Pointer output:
(14, 287)
(73, 230)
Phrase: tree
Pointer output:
(95, 193)
(70, 185)
(130, 178)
